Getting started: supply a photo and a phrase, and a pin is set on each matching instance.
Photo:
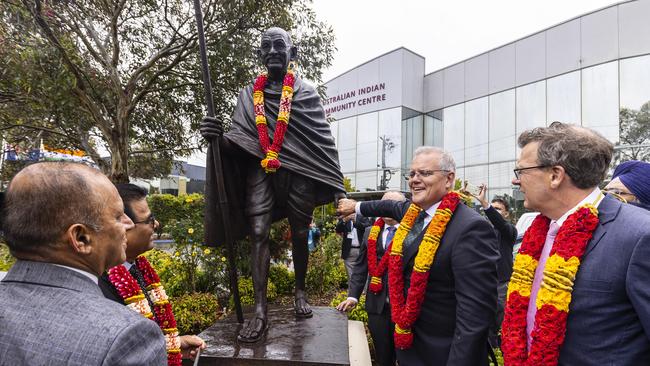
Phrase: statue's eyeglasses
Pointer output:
(422, 173)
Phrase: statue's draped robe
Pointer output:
(308, 150)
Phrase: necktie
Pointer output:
(389, 236)
(416, 230)
(143, 285)
(537, 280)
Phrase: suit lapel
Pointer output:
(607, 212)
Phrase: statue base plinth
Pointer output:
(320, 340)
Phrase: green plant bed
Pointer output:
(195, 312)
(6, 259)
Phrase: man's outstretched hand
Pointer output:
(346, 207)
(211, 128)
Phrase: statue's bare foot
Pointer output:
(301, 306)
(253, 330)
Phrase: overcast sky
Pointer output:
(444, 32)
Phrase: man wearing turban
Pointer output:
(631, 181)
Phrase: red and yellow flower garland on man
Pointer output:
(376, 268)
(554, 295)
(405, 311)
(271, 161)
(135, 300)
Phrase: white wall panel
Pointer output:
(433, 91)
(563, 48)
(530, 59)
(634, 28)
(476, 77)
(454, 84)
(502, 68)
(599, 35)
(412, 80)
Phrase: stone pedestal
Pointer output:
(320, 340)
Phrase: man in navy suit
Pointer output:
(351, 229)
(460, 299)
(608, 323)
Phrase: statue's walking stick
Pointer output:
(213, 159)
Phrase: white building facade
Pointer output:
(592, 70)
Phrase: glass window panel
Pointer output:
(433, 135)
(600, 99)
(635, 82)
(635, 106)
(500, 180)
(428, 130)
(477, 175)
(563, 98)
(531, 106)
(366, 181)
(390, 127)
(347, 133)
(454, 132)
(413, 129)
(367, 141)
(347, 144)
(334, 127)
(476, 132)
(503, 139)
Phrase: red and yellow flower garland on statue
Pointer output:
(271, 161)
(405, 311)
(134, 299)
(554, 295)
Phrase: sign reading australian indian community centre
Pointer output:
(351, 99)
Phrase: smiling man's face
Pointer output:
(430, 184)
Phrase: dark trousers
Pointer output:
(381, 331)
(495, 340)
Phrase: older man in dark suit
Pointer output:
(377, 306)
(605, 319)
(460, 298)
(65, 224)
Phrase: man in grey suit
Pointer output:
(65, 224)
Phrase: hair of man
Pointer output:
(44, 199)
(394, 195)
(130, 193)
(501, 201)
(446, 160)
(584, 154)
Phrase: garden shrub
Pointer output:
(283, 279)
(6, 259)
(358, 312)
(326, 270)
(247, 294)
(195, 312)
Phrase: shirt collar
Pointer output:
(127, 264)
(431, 211)
(595, 197)
(91, 276)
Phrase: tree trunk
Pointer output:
(119, 147)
